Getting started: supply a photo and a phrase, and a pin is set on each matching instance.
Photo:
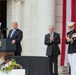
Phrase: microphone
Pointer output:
(0, 24)
(1, 33)
(4, 29)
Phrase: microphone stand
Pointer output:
(1, 34)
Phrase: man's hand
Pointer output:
(13, 41)
(68, 39)
(51, 38)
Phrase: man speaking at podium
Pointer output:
(16, 35)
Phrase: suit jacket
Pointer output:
(52, 47)
(17, 36)
(71, 45)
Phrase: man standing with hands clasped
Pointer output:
(52, 40)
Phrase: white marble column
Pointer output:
(45, 17)
(10, 14)
(17, 12)
(37, 16)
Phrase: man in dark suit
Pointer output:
(16, 35)
(71, 41)
(52, 40)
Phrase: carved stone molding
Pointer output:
(19, 0)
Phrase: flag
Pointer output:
(69, 15)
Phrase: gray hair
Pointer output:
(52, 26)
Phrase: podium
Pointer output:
(7, 48)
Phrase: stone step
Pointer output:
(63, 74)
(63, 70)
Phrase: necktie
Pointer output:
(12, 33)
(51, 34)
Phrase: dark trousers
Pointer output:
(17, 53)
(69, 70)
(53, 61)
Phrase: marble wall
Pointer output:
(33, 17)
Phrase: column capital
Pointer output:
(19, 0)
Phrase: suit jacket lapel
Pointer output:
(54, 35)
(10, 33)
(49, 35)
